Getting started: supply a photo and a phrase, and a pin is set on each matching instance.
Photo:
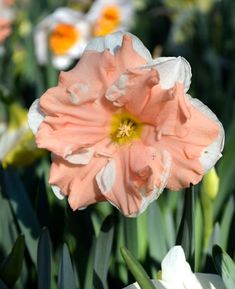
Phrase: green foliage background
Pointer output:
(92, 258)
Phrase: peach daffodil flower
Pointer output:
(177, 274)
(63, 35)
(121, 127)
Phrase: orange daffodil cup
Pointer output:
(121, 127)
(63, 35)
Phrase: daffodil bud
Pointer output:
(210, 184)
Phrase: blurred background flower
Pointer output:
(109, 16)
(6, 19)
(61, 37)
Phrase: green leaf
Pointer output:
(131, 235)
(226, 170)
(142, 231)
(102, 253)
(198, 236)
(89, 268)
(22, 209)
(136, 269)
(185, 236)
(10, 268)
(66, 276)
(226, 222)
(215, 238)
(224, 266)
(44, 260)
(157, 241)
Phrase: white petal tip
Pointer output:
(106, 177)
(35, 116)
(56, 190)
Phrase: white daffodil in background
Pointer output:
(63, 35)
(17, 146)
(107, 16)
(177, 274)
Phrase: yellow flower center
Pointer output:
(108, 21)
(125, 128)
(62, 38)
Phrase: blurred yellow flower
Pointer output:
(184, 15)
(17, 146)
(109, 16)
(180, 5)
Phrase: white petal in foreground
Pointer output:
(174, 266)
(176, 274)
(172, 70)
(212, 153)
(210, 281)
(35, 116)
(106, 177)
(113, 43)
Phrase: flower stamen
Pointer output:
(125, 128)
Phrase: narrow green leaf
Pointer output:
(136, 269)
(169, 227)
(224, 266)
(44, 260)
(131, 235)
(89, 268)
(11, 267)
(226, 170)
(22, 209)
(142, 231)
(198, 236)
(102, 253)
(215, 238)
(226, 222)
(157, 241)
(185, 236)
(66, 275)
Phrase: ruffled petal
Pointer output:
(77, 181)
(105, 65)
(137, 176)
(67, 128)
(185, 132)
(133, 86)
(212, 153)
(113, 42)
(172, 70)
